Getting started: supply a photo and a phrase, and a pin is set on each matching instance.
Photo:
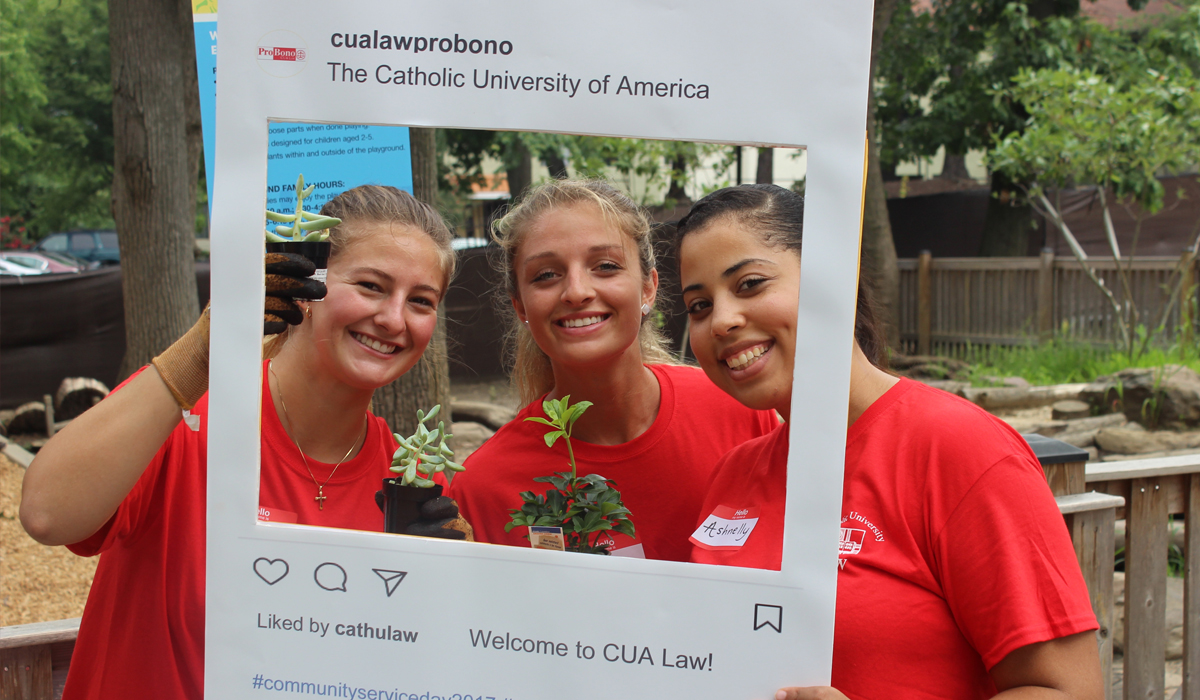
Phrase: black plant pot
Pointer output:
(316, 251)
(402, 504)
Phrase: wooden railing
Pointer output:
(34, 659)
(1146, 493)
(948, 303)
(1154, 490)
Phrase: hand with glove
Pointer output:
(184, 366)
(289, 277)
(439, 517)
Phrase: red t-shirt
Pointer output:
(953, 552)
(661, 474)
(142, 633)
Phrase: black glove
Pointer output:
(288, 278)
(439, 517)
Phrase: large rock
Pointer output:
(468, 437)
(1171, 391)
(1174, 630)
(489, 414)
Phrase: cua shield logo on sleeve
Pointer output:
(282, 53)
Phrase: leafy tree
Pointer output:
(1117, 133)
(56, 143)
(938, 73)
(656, 162)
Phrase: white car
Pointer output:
(12, 268)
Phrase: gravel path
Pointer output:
(37, 583)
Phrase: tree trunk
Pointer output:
(520, 173)
(675, 192)
(954, 167)
(766, 166)
(428, 383)
(878, 263)
(1008, 222)
(156, 156)
(555, 164)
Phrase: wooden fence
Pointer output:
(948, 304)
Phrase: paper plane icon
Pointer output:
(391, 579)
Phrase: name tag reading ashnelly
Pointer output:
(725, 528)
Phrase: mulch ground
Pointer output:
(37, 583)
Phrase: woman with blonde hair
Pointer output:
(580, 278)
(127, 478)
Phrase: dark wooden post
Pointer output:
(1187, 297)
(1063, 464)
(1191, 590)
(924, 303)
(1045, 298)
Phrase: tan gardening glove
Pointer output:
(184, 366)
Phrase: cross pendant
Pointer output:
(320, 498)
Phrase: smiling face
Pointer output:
(580, 287)
(381, 309)
(742, 297)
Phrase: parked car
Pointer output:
(100, 246)
(16, 270)
(46, 262)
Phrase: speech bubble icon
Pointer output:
(330, 576)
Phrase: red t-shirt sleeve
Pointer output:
(1007, 566)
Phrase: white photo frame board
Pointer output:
(777, 74)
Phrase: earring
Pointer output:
(308, 311)
(645, 309)
(525, 321)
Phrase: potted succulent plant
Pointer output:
(419, 457)
(302, 233)
(584, 507)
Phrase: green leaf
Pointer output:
(577, 411)
(552, 437)
(539, 419)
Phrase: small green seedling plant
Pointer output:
(424, 453)
(304, 226)
(584, 507)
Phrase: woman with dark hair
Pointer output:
(957, 578)
(127, 479)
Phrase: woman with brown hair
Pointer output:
(957, 577)
(127, 479)
(580, 279)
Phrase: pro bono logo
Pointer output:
(282, 53)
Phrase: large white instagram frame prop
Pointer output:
(783, 73)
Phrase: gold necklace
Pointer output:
(320, 497)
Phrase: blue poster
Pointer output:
(334, 157)
(205, 26)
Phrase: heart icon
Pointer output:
(270, 570)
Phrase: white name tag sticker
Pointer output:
(725, 528)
